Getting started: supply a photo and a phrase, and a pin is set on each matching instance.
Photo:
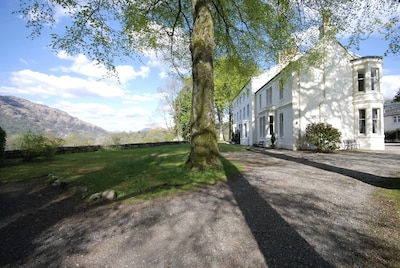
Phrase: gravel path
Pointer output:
(287, 209)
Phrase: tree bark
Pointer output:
(204, 152)
(230, 124)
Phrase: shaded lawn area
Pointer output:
(133, 173)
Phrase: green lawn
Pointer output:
(133, 173)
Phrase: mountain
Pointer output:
(20, 116)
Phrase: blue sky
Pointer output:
(31, 70)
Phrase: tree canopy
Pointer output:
(397, 96)
(189, 34)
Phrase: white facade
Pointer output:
(392, 116)
(243, 109)
(343, 90)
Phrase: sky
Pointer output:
(29, 69)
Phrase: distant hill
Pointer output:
(20, 116)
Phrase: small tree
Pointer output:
(2, 142)
(37, 145)
(397, 96)
(325, 137)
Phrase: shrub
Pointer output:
(2, 142)
(236, 137)
(325, 137)
(37, 145)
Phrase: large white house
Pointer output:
(392, 120)
(341, 89)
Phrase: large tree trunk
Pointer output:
(204, 152)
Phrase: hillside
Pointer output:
(20, 116)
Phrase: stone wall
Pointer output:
(92, 148)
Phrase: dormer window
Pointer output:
(375, 79)
(361, 80)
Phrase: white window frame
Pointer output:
(362, 128)
(376, 122)
(375, 79)
(281, 95)
(361, 80)
(271, 124)
(262, 127)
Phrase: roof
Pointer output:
(258, 82)
(392, 108)
(274, 71)
(367, 58)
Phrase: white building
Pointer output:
(392, 119)
(342, 89)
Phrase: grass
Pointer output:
(139, 173)
(392, 193)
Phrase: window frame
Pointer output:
(281, 95)
(375, 79)
(262, 127)
(271, 124)
(361, 80)
(375, 120)
(362, 128)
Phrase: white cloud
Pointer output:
(390, 84)
(60, 13)
(86, 111)
(93, 70)
(29, 82)
(107, 117)
(136, 98)
(24, 61)
(163, 75)
(133, 112)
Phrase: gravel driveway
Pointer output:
(286, 209)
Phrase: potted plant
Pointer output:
(273, 140)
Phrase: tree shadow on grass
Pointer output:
(27, 210)
(374, 180)
(280, 244)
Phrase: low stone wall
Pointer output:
(92, 148)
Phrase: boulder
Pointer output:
(60, 183)
(95, 196)
(109, 194)
(82, 191)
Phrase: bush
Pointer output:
(236, 137)
(392, 135)
(36, 145)
(325, 137)
(2, 142)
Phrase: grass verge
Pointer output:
(139, 173)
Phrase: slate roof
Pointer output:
(392, 108)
